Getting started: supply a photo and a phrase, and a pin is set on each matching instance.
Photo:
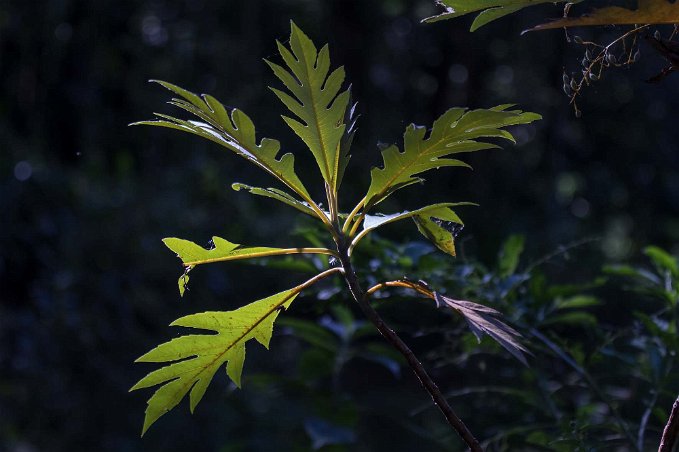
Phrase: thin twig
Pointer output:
(352, 214)
(560, 250)
(362, 298)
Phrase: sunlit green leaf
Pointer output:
(454, 132)
(193, 254)
(222, 250)
(317, 102)
(196, 358)
(234, 130)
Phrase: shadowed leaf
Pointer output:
(277, 194)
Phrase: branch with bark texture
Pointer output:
(362, 298)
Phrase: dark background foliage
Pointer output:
(87, 285)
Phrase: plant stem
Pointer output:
(273, 252)
(352, 214)
(671, 431)
(362, 298)
(357, 223)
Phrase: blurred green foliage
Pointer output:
(596, 381)
(85, 202)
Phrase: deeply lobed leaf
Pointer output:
(196, 358)
(233, 130)
(456, 131)
(316, 100)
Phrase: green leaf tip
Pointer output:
(314, 98)
(195, 358)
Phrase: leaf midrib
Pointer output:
(219, 356)
(318, 125)
(403, 168)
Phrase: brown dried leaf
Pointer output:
(648, 12)
(484, 320)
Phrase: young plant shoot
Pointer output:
(322, 114)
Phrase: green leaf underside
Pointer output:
(484, 320)
(490, 10)
(317, 102)
(277, 194)
(234, 130)
(375, 221)
(197, 357)
(429, 214)
(454, 132)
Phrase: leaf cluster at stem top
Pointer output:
(323, 117)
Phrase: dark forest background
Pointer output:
(87, 286)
